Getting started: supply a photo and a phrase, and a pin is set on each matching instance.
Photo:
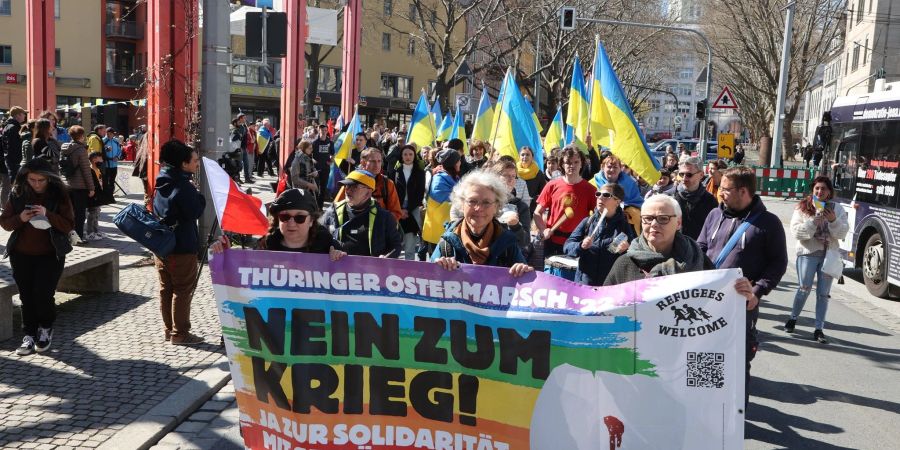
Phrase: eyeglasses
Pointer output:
(299, 218)
(662, 219)
(687, 174)
(472, 203)
(605, 195)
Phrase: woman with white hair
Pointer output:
(661, 249)
(479, 238)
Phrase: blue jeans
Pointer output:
(247, 159)
(809, 266)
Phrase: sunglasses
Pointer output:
(605, 195)
(299, 218)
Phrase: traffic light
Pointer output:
(701, 109)
(567, 18)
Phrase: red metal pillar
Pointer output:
(172, 75)
(350, 70)
(293, 76)
(40, 57)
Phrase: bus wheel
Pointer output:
(874, 267)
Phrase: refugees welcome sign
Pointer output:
(368, 353)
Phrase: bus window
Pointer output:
(880, 149)
(846, 141)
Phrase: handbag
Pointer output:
(833, 265)
(138, 224)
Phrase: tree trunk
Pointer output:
(765, 151)
(312, 88)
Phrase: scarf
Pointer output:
(686, 256)
(478, 247)
(527, 173)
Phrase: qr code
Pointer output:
(705, 370)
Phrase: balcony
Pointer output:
(124, 78)
(128, 30)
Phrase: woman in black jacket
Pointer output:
(409, 178)
(39, 214)
(591, 243)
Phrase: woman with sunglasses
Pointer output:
(294, 228)
(598, 245)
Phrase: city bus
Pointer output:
(866, 140)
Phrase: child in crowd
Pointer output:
(91, 228)
(553, 170)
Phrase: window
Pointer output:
(5, 7)
(58, 56)
(413, 10)
(396, 86)
(388, 8)
(855, 58)
(866, 51)
(386, 41)
(860, 6)
(433, 17)
(56, 9)
(847, 66)
(685, 73)
(5, 54)
(411, 48)
(329, 79)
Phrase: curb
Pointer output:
(148, 429)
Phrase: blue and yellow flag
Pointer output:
(514, 125)
(421, 128)
(458, 130)
(446, 127)
(577, 114)
(481, 131)
(344, 143)
(556, 133)
(600, 122)
(628, 142)
(436, 117)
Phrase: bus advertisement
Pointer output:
(866, 140)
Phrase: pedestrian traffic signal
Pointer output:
(567, 18)
(701, 109)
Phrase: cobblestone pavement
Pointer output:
(214, 426)
(109, 364)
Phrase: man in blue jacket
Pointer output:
(179, 204)
(359, 224)
(760, 251)
(113, 153)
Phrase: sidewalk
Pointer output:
(110, 380)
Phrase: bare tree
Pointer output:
(748, 54)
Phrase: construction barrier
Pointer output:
(774, 182)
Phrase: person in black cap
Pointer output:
(457, 144)
(294, 227)
(40, 216)
(359, 224)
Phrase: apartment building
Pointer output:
(872, 46)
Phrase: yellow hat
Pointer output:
(360, 176)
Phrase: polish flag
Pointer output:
(237, 212)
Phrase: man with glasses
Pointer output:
(385, 193)
(695, 202)
(759, 250)
(361, 226)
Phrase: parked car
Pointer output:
(659, 151)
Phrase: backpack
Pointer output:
(138, 224)
(67, 166)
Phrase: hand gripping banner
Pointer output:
(368, 353)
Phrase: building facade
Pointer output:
(871, 49)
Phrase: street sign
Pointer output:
(463, 101)
(725, 100)
(726, 145)
(567, 18)
(677, 120)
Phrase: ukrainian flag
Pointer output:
(514, 123)
(436, 116)
(628, 143)
(577, 114)
(556, 133)
(458, 130)
(421, 128)
(344, 142)
(600, 121)
(483, 118)
(446, 127)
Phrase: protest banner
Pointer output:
(368, 353)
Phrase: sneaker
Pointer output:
(45, 336)
(100, 235)
(27, 346)
(819, 336)
(187, 339)
(789, 325)
(168, 335)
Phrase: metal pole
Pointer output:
(216, 99)
(537, 77)
(702, 37)
(782, 86)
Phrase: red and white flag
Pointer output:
(237, 211)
